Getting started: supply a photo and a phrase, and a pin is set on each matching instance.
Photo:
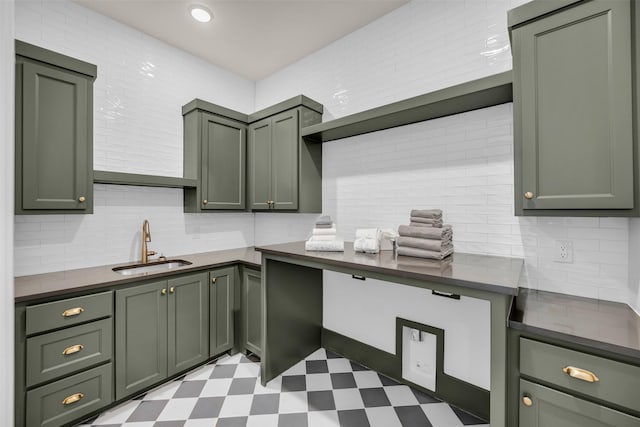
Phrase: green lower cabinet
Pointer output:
(541, 406)
(161, 329)
(70, 398)
(221, 302)
(252, 311)
(141, 337)
(188, 315)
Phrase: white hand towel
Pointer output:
(324, 231)
(322, 238)
(333, 246)
(367, 240)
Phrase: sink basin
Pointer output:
(151, 267)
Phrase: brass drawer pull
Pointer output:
(526, 401)
(82, 199)
(580, 374)
(73, 349)
(528, 195)
(72, 312)
(72, 399)
(163, 291)
(172, 290)
(213, 280)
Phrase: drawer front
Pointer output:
(68, 350)
(549, 407)
(70, 398)
(68, 312)
(617, 383)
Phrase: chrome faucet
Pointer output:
(146, 237)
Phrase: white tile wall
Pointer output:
(462, 164)
(141, 86)
(6, 213)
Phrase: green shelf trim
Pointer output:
(119, 178)
(485, 92)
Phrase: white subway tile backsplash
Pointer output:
(462, 163)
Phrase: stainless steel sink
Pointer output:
(151, 267)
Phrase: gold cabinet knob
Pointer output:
(82, 199)
(528, 195)
(172, 290)
(526, 401)
(163, 291)
(213, 280)
(205, 201)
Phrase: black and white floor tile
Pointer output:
(324, 390)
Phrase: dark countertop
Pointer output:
(486, 273)
(58, 283)
(604, 325)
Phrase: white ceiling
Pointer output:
(252, 38)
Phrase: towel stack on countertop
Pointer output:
(426, 236)
(324, 237)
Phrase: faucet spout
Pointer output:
(146, 237)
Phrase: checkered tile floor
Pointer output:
(324, 390)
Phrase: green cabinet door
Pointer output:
(53, 139)
(260, 152)
(188, 322)
(141, 337)
(551, 408)
(572, 109)
(223, 163)
(221, 301)
(284, 160)
(252, 311)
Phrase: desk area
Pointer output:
(292, 291)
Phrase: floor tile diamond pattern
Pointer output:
(324, 390)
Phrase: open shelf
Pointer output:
(485, 92)
(120, 178)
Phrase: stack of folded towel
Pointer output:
(425, 236)
(324, 237)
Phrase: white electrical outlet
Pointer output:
(564, 251)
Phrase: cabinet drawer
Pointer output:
(617, 383)
(549, 407)
(63, 352)
(68, 312)
(70, 398)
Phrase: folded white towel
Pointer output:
(333, 246)
(324, 231)
(323, 238)
(367, 240)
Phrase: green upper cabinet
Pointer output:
(54, 132)
(285, 171)
(573, 124)
(214, 155)
(274, 162)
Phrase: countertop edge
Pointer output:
(124, 280)
(574, 339)
(482, 286)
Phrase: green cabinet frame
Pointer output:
(221, 304)
(285, 171)
(251, 311)
(215, 156)
(161, 329)
(54, 132)
(573, 126)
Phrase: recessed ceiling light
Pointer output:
(200, 13)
